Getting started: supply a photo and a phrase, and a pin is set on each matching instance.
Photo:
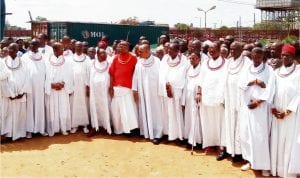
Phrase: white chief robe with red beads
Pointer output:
(57, 101)
(255, 123)
(145, 82)
(212, 82)
(192, 124)
(172, 71)
(283, 133)
(100, 99)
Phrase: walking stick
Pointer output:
(196, 118)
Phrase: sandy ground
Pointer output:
(109, 156)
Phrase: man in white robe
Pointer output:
(236, 66)
(100, 100)
(294, 167)
(212, 82)
(33, 59)
(79, 99)
(4, 73)
(192, 124)
(172, 76)
(145, 87)
(45, 49)
(58, 87)
(14, 92)
(258, 88)
(284, 112)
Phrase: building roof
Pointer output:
(278, 4)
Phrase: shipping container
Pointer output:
(92, 32)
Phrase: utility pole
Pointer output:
(205, 12)
(254, 20)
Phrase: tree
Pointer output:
(39, 18)
(129, 21)
(223, 28)
(8, 26)
(182, 26)
(267, 26)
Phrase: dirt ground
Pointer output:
(109, 156)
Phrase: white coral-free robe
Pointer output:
(14, 111)
(212, 83)
(171, 107)
(255, 123)
(145, 82)
(79, 100)
(36, 121)
(57, 102)
(287, 97)
(99, 96)
(192, 124)
(232, 103)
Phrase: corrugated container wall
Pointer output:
(92, 32)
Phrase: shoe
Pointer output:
(156, 141)
(28, 135)
(91, 133)
(265, 173)
(222, 155)
(85, 130)
(65, 133)
(246, 167)
(74, 130)
(44, 134)
(237, 158)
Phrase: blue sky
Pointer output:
(160, 11)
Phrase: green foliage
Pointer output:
(268, 26)
(264, 41)
(129, 21)
(41, 19)
(289, 39)
(224, 28)
(8, 26)
(182, 26)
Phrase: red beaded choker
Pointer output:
(215, 68)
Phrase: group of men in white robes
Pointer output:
(243, 107)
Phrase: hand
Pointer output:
(19, 96)
(54, 86)
(111, 91)
(169, 90)
(136, 97)
(280, 115)
(274, 111)
(198, 98)
(87, 91)
(260, 83)
(251, 83)
(57, 86)
(254, 104)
